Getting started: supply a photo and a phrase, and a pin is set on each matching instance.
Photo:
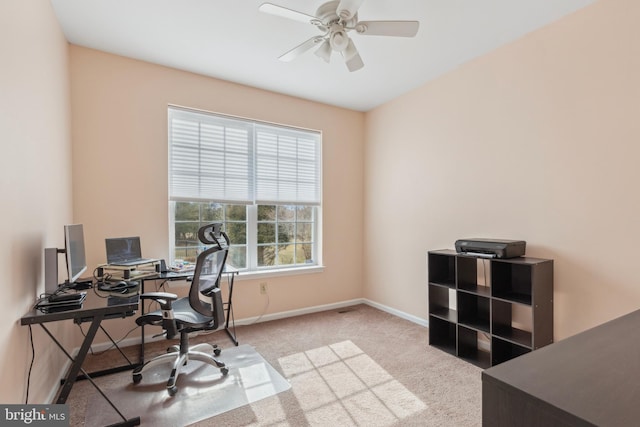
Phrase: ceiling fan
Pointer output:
(335, 19)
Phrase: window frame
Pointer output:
(252, 268)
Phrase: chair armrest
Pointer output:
(162, 298)
(159, 295)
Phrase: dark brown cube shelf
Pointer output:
(518, 289)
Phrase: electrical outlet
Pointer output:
(263, 288)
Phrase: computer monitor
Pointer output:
(74, 251)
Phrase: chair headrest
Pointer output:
(209, 234)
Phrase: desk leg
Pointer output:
(130, 366)
(232, 335)
(141, 358)
(76, 364)
(76, 367)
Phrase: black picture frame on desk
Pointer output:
(95, 315)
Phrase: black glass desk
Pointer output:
(108, 308)
(229, 271)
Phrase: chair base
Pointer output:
(181, 358)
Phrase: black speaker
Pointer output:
(161, 267)
(50, 270)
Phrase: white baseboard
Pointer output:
(298, 312)
(283, 315)
(334, 306)
(401, 314)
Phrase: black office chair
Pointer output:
(191, 314)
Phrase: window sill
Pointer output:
(252, 275)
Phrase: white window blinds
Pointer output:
(231, 160)
(287, 166)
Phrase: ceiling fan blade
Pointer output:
(352, 57)
(355, 63)
(324, 51)
(347, 9)
(284, 12)
(300, 49)
(388, 28)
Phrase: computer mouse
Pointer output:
(121, 287)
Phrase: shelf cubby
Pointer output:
(440, 303)
(469, 347)
(442, 334)
(502, 350)
(468, 279)
(474, 311)
(502, 324)
(512, 280)
(442, 269)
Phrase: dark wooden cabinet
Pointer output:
(588, 379)
(487, 311)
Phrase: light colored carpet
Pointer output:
(353, 366)
(203, 392)
(341, 385)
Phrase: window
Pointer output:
(261, 181)
(188, 217)
(285, 235)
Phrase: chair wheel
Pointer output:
(172, 390)
(137, 378)
(224, 371)
(217, 351)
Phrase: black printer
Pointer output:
(491, 248)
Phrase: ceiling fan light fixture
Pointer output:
(338, 39)
(324, 51)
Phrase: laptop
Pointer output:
(125, 251)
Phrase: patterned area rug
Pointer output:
(202, 391)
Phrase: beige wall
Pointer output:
(35, 186)
(539, 141)
(119, 110)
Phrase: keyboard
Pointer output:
(176, 275)
(113, 300)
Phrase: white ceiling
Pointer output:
(232, 40)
